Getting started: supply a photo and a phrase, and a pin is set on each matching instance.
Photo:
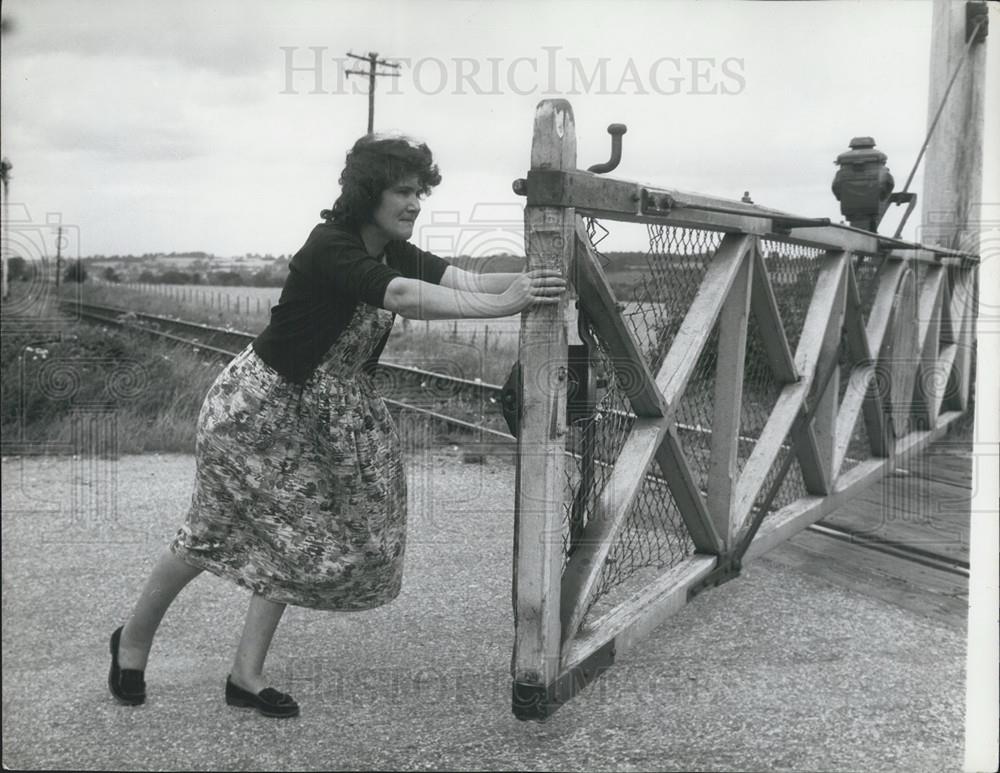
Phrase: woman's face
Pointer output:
(398, 209)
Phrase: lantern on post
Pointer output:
(863, 184)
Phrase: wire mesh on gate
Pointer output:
(792, 270)
(866, 268)
(654, 534)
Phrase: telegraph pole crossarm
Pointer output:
(373, 63)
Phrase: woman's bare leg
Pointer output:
(167, 579)
(262, 620)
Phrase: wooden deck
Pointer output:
(925, 506)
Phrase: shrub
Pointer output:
(19, 269)
(76, 272)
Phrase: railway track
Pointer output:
(414, 389)
(426, 393)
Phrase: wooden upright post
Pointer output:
(541, 484)
(728, 402)
(953, 171)
(953, 166)
(952, 197)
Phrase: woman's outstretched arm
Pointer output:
(414, 299)
(469, 281)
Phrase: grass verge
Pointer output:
(69, 388)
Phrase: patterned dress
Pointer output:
(300, 493)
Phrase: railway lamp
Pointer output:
(863, 184)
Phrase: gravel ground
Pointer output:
(775, 671)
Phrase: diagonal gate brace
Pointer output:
(730, 563)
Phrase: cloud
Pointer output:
(128, 108)
(124, 142)
(211, 36)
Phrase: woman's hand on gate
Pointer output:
(540, 286)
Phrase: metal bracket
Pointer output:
(581, 397)
(977, 21)
(531, 700)
(510, 399)
(728, 568)
(902, 198)
(656, 203)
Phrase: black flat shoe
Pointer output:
(126, 684)
(268, 701)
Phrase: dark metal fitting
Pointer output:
(785, 225)
(977, 21)
(728, 568)
(520, 186)
(616, 130)
(536, 701)
(661, 203)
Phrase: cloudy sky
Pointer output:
(222, 126)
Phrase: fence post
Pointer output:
(540, 487)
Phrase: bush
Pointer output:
(269, 277)
(225, 278)
(76, 272)
(175, 277)
(19, 269)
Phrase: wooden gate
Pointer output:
(769, 368)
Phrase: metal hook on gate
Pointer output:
(616, 130)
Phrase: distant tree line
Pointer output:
(265, 277)
(20, 270)
(274, 275)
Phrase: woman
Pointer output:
(299, 492)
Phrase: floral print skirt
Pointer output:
(300, 493)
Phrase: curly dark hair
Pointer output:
(373, 165)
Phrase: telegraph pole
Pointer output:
(5, 167)
(58, 259)
(373, 63)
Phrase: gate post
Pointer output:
(541, 483)
(953, 170)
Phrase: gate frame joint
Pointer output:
(729, 567)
